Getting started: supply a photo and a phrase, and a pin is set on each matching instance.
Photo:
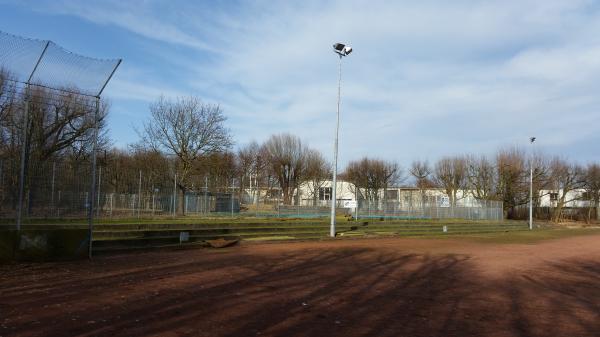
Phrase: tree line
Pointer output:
(185, 145)
(506, 177)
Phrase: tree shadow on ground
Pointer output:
(310, 292)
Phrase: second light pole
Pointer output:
(342, 50)
(531, 140)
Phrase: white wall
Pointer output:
(405, 196)
(573, 198)
(344, 191)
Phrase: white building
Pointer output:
(578, 198)
(401, 197)
(310, 195)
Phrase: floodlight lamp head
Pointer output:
(532, 139)
(342, 49)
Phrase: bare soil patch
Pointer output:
(383, 287)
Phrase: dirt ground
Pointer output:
(381, 287)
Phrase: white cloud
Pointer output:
(132, 16)
(426, 78)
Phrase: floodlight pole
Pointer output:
(335, 152)
(532, 139)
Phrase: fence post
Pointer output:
(185, 203)
(356, 197)
(487, 215)
(152, 199)
(133, 202)
(58, 208)
(257, 195)
(199, 202)
(140, 195)
(93, 191)
(232, 192)
(174, 194)
(52, 188)
(99, 186)
(206, 194)
(23, 161)
(385, 203)
(24, 143)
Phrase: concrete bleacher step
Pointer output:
(123, 237)
(149, 242)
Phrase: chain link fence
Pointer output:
(51, 128)
(435, 207)
(61, 190)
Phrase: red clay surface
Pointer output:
(383, 287)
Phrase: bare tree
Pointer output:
(318, 171)
(118, 164)
(8, 143)
(221, 167)
(371, 176)
(507, 178)
(246, 158)
(154, 167)
(512, 179)
(7, 105)
(60, 123)
(8, 132)
(451, 174)
(286, 158)
(58, 120)
(566, 177)
(421, 172)
(481, 175)
(187, 129)
(541, 178)
(592, 187)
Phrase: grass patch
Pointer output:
(270, 238)
(526, 237)
(341, 220)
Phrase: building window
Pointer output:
(391, 194)
(553, 196)
(325, 193)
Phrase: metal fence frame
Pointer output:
(34, 78)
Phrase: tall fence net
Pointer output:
(50, 116)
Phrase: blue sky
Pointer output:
(426, 79)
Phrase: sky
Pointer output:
(426, 79)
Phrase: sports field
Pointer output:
(541, 283)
